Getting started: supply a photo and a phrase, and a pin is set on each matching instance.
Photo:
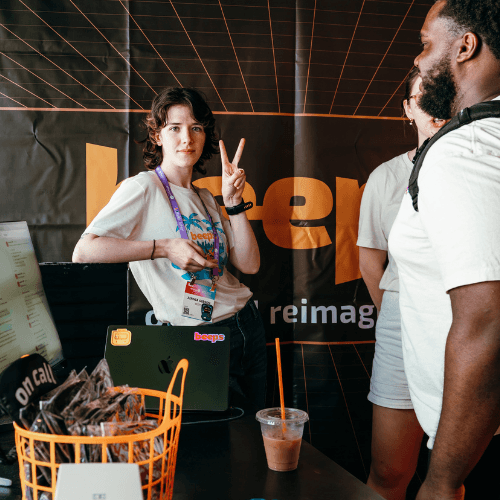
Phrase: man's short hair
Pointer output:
(481, 17)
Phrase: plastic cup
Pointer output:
(282, 438)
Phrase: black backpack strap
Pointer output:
(477, 112)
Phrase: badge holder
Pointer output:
(198, 302)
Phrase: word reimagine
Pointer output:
(323, 314)
(364, 316)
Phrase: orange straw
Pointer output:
(280, 378)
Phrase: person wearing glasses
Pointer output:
(396, 433)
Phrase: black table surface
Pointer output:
(226, 461)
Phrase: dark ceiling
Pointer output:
(340, 57)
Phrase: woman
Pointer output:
(178, 242)
(396, 433)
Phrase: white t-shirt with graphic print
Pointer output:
(139, 210)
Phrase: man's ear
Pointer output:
(469, 47)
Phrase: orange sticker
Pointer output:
(121, 337)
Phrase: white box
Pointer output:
(110, 481)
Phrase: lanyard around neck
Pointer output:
(178, 216)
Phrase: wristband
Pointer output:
(152, 253)
(241, 207)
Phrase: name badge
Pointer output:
(198, 302)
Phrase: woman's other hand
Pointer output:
(184, 254)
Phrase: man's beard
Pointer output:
(439, 91)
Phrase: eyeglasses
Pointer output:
(414, 96)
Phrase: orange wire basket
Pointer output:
(157, 472)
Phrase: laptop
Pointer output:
(146, 357)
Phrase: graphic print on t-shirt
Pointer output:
(201, 232)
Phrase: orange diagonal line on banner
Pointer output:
(112, 46)
(274, 57)
(44, 81)
(192, 44)
(20, 104)
(305, 387)
(26, 90)
(236, 55)
(310, 53)
(53, 63)
(361, 359)
(347, 408)
(386, 52)
(347, 55)
(80, 54)
(149, 41)
(394, 93)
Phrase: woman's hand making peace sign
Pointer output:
(244, 255)
(233, 178)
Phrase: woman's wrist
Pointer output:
(232, 202)
(241, 207)
(159, 249)
(153, 250)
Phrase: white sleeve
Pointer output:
(370, 230)
(123, 214)
(459, 206)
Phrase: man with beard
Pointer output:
(448, 255)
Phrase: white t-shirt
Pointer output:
(453, 240)
(140, 210)
(380, 204)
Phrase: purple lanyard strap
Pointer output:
(178, 216)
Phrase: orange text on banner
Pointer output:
(348, 200)
(277, 211)
(102, 174)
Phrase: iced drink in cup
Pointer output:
(282, 438)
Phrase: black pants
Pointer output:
(248, 358)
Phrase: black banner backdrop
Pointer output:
(314, 87)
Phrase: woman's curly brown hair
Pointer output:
(156, 119)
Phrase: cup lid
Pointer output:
(272, 416)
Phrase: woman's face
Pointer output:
(426, 125)
(182, 138)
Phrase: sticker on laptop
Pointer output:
(209, 337)
(121, 337)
